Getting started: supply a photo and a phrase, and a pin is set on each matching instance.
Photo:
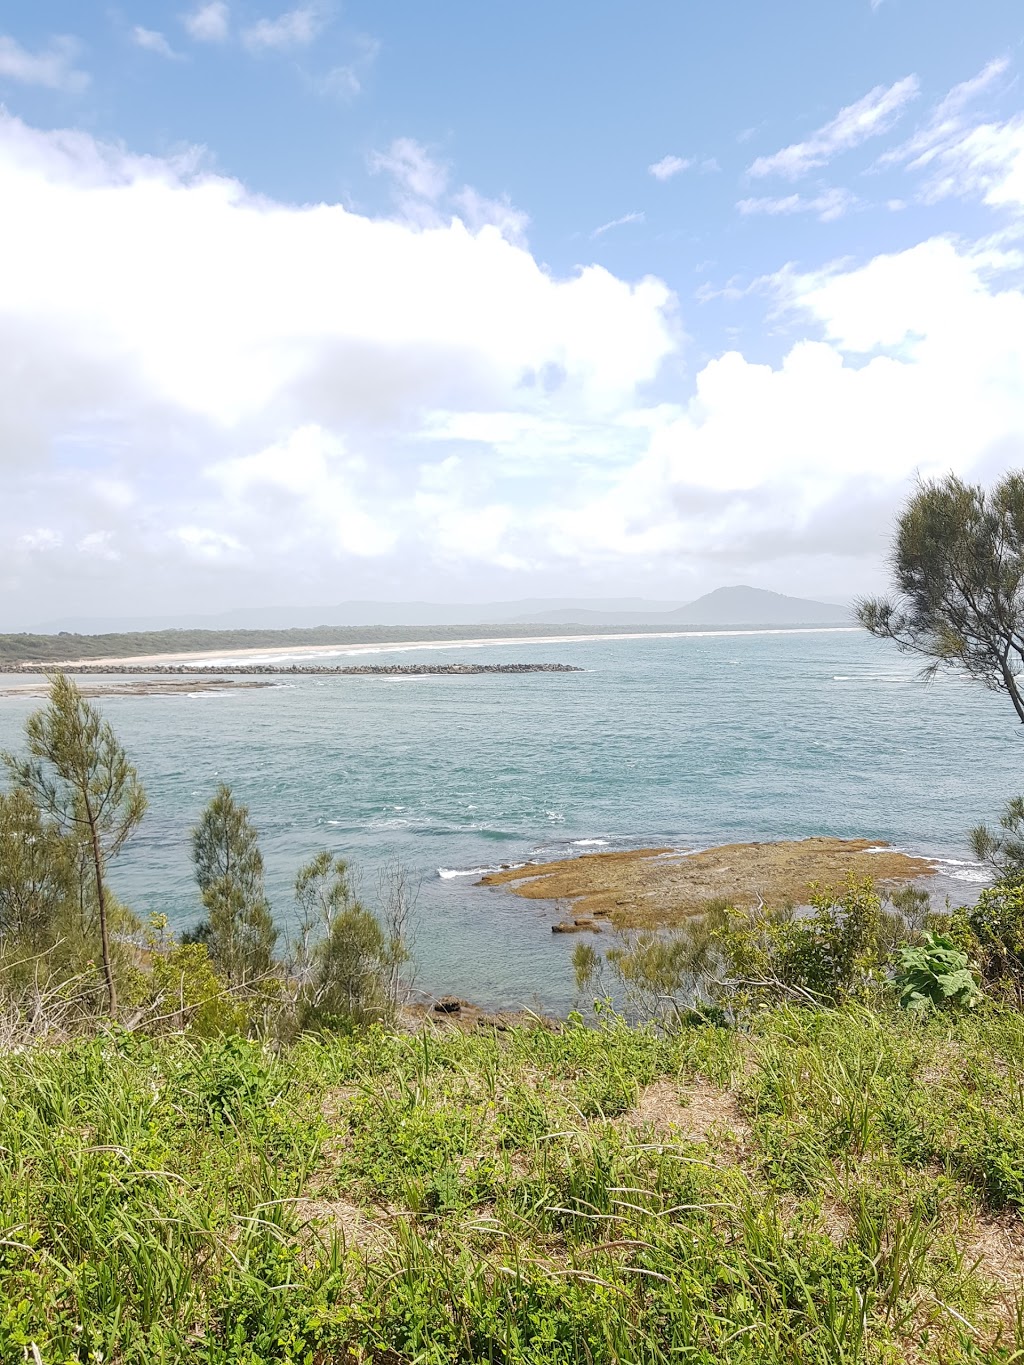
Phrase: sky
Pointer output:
(468, 302)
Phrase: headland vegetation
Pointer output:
(783, 1125)
(169, 646)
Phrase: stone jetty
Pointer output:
(287, 670)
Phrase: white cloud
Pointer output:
(209, 23)
(52, 67)
(414, 171)
(296, 28)
(153, 41)
(345, 81)
(828, 205)
(477, 211)
(246, 400)
(868, 117)
(624, 221)
(262, 383)
(669, 166)
(961, 154)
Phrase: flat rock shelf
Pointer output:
(246, 670)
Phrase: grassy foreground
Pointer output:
(830, 1186)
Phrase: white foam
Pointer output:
(587, 843)
(447, 874)
(964, 870)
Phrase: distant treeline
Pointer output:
(65, 646)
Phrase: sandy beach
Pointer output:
(382, 647)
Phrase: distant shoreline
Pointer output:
(271, 653)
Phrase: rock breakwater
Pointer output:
(287, 670)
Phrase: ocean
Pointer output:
(690, 741)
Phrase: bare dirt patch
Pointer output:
(997, 1243)
(655, 886)
(356, 1226)
(697, 1112)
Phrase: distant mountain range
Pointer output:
(734, 606)
(739, 606)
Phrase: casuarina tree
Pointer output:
(79, 776)
(957, 565)
(239, 929)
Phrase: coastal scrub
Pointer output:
(832, 1186)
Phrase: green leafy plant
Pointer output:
(935, 974)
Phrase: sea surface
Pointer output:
(691, 741)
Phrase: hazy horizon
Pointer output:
(376, 612)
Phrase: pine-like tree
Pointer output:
(957, 563)
(79, 776)
(38, 875)
(239, 928)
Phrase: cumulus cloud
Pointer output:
(828, 205)
(52, 66)
(153, 41)
(873, 114)
(294, 29)
(669, 166)
(220, 399)
(267, 382)
(209, 23)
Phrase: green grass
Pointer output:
(835, 1186)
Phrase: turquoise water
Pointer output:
(692, 741)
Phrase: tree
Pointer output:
(347, 963)
(38, 874)
(1003, 849)
(78, 774)
(239, 929)
(958, 569)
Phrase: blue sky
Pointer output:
(805, 188)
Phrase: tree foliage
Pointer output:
(38, 874)
(1003, 848)
(957, 565)
(991, 932)
(239, 927)
(79, 776)
(346, 960)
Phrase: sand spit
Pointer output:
(650, 887)
(384, 646)
(138, 687)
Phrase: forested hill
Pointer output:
(43, 649)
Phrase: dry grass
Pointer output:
(695, 1112)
